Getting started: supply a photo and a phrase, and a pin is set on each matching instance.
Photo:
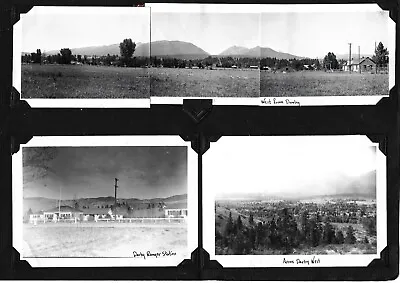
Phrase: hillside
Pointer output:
(268, 52)
(256, 52)
(234, 51)
(343, 186)
(177, 49)
(40, 203)
(164, 48)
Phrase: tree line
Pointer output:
(127, 49)
(283, 233)
(380, 57)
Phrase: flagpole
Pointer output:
(59, 204)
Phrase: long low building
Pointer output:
(56, 214)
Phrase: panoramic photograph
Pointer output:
(105, 201)
(85, 52)
(199, 54)
(324, 54)
(298, 200)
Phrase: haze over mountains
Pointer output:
(343, 186)
(179, 49)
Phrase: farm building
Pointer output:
(366, 64)
(63, 212)
(96, 213)
(176, 210)
(119, 212)
(36, 217)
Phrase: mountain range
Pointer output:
(257, 52)
(179, 49)
(42, 203)
(344, 186)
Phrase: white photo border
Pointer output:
(277, 260)
(73, 102)
(99, 141)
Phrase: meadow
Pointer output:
(83, 81)
(77, 81)
(102, 239)
(320, 83)
(205, 83)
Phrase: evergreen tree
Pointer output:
(328, 234)
(239, 224)
(339, 237)
(229, 225)
(350, 238)
(304, 225)
(251, 219)
(260, 235)
(381, 56)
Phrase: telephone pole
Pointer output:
(115, 191)
(359, 60)
(350, 57)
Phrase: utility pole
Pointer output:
(359, 60)
(115, 191)
(350, 57)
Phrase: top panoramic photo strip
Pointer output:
(268, 55)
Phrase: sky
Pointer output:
(212, 32)
(308, 34)
(278, 167)
(53, 28)
(315, 34)
(143, 171)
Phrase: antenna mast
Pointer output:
(350, 57)
(359, 60)
(115, 191)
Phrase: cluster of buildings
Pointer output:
(70, 214)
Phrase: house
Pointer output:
(96, 213)
(63, 212)
(119, 212)
(366, 64)
(36, 217)
(176, 210)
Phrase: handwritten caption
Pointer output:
(280, 101)
(302, 261)
(150, 254)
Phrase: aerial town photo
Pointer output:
(300, 201)
(105, 201)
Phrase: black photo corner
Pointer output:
(202, 124)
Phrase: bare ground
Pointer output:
(102, 239)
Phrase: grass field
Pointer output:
(204, 83)
(62, 81)
(102, 239)
(320, 83)
(74, 81)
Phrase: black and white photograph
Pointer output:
(328, 53)
(205, 51)
(86, 53)
(106, 202)
(297, 199)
